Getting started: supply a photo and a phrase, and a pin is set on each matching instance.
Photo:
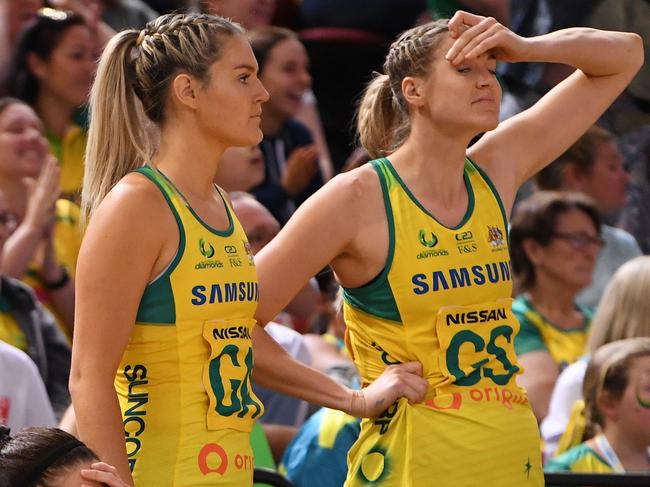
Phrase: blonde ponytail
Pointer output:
(117, 143)
(132, 85)
(381, 124)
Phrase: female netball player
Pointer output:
(418, 240)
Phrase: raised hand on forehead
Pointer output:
(475, 35)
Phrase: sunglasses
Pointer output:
(580, 241)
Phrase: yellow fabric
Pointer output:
(575, 429)
(11, 333)
(67, 242)
(451, 289)
(70, 151)
(184, 380)
(332, 423)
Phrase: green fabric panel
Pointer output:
(496, 194)
(261, 450)
(376, 297)
(529, 338)
(468, 185)
(566, 461)
(55, 144)
(157, 305)
(5, 306)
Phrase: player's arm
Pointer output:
(519, 147)
(117, 256)
(324, 227)
(540, 374)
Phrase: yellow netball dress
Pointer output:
(184, 380)
(443, 299)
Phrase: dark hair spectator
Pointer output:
(593, 165)
(554, 242)
(536, 219)
(48, 457)
(290, 156)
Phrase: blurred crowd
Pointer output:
(578, 233)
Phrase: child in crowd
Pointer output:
(617, 410)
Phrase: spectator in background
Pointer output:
(617, 412)
(624, 312)
(240, 169)
(554, 242)
(167, 6)
(26, 325)
(635, 217)
(351, 37)
(255, 14)
(261, 227)
(631, 112)
(51, 70)
(499, 9)
(23, 398)
(43, 249)
(126, 14)
(317, 456)
(250, 14)
(290, 157)
(48, 456)
(594, 166)
(15, 15)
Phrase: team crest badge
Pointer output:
(495, 237)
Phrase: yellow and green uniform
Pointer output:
(537, 333)
(70, 152)
(10, 331)
(184, 380)
(582, 458)
(443, 299)
(67, 242)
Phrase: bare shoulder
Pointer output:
(353, 189)
(133, 201)
(135, 213)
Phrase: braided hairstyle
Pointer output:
(133, 79)
(383, 115)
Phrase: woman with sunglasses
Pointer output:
(554, 242)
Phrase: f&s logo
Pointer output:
(212, 459)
